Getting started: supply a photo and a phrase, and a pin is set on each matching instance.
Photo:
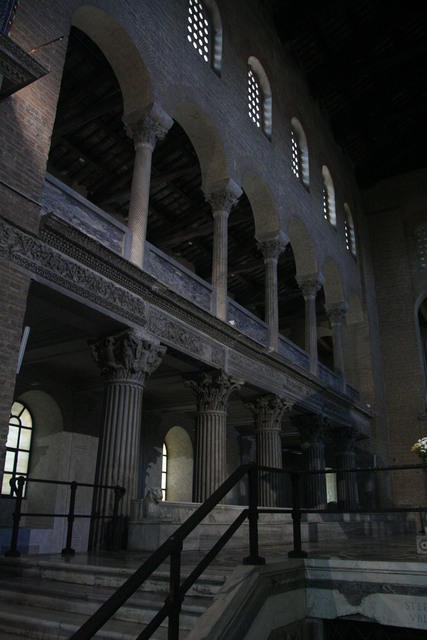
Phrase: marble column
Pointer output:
(271, 250)
(312, 430)
(145, 128)
(212, 391)
(309, 288)
(125, 360)
(268, 411)
(344, 440)
(336, 315)
(222, 197)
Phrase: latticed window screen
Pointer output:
(18, 445)
(296, 155)
(198, 28)
(254, 99)
(326, 208)
(164, 472)
(421, 243)
(350, 238)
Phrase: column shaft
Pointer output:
(311, 331)
(316, 483)
(347, 490)
(139, 199)
(220, 262)
(271, 302)
(269, 454)
(210, 453)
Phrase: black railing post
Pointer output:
(254, 557)
(175, 598)
(297, 551)
(68, 549)
(17, 486)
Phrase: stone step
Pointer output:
(45, 624)
(140, 608)
(103, 576)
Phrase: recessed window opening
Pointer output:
(18, 446)
(164, 472)
(300, 165)
(198, 29)
(329, 212)
(350, 235)
(259, 96)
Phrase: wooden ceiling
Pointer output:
(91, 152)
(365, 63)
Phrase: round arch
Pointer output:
(303, 145)
(207, 142)
(303, 248)
(122, 54)
(267, 101)
(179, 465)
(329, 206)
(264, 209)
(333, 288)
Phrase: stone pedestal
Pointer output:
(309, 288)
(222, 198)
(268, 411)
(145, 129)
(312, 431)
(344, 440)
(212, 391)
(271, 250)
(125, 360)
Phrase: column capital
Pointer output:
(222, 196)
(271, 249)
(310, 285)
(312, 428)
(212, 390)
(343, 439)
(127, 357)
(268, 411)
(336, 313)
(148, 126)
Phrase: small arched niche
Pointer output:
(179, 482)
(300, 160)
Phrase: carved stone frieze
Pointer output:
(212, 390)
(127, 357)
(160, 325)
(32, 254)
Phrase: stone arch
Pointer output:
(303, 145)
(303, 248)
(334, 294)
(121, 53)
(267, 110)
(264, 209)
(355, 313)
(180, 465)
(207, 143)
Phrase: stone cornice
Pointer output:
(69, 259)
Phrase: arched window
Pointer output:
(350, 236)
(259, 96)
(18, 445)
(329, 212)
(204, 31)
(164, 472)
(300, 164)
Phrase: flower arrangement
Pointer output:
(420, 448)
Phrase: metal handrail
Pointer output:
(17, 485)
(172, 547)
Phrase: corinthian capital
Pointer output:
(268, 411)
(148, 126)
(223, 196)
(271, 249)
(312, 428)
(212, 390)
(127, 357)
(310, 285)
(336, 313)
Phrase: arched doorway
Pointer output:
(177, 466)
